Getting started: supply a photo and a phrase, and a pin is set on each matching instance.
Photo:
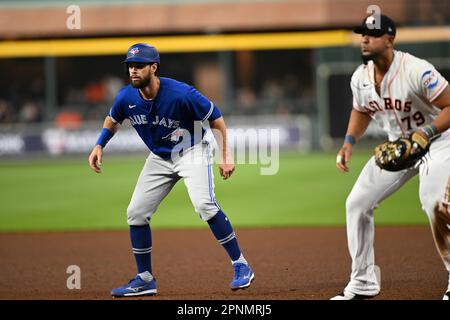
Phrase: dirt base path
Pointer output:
(289, 263)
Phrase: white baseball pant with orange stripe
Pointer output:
(373, 186)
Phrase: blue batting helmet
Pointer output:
(142, 52)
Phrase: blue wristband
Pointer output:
(104, 137)
(430, 130)
(350, 139)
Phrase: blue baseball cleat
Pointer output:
(243, 276)
(136, 287)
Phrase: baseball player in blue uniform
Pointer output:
(168, 116)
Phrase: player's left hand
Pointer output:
(420, 142)
(226, 170)
(402, 153)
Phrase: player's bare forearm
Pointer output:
(357, 125)
(220, 134)
(110, 125)
(442, 121)
(226, 165)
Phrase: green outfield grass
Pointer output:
(307, 191)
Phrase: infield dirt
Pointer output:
(289, 263)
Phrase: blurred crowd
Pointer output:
(87, 102)
(284, 95)
(81, 89)
(28, 112)
(92, 101)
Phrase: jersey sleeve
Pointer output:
(357, 104)
(426, 80)
(201, 107)
(116, 113)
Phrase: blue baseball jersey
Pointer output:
(166, 122)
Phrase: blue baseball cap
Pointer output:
(142, 52)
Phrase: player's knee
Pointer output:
(357, 205)
(206, 210)
(137, 216)
(429, 203)
(352, 203)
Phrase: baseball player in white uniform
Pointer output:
(402, 94)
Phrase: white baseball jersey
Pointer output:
(406, 94)
(405, 103)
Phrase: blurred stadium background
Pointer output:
(282, 64)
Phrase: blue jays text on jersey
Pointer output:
(163, 121)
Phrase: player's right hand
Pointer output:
(226, 170)
(343, 157)
(95, 158)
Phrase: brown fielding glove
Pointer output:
(402, 153)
